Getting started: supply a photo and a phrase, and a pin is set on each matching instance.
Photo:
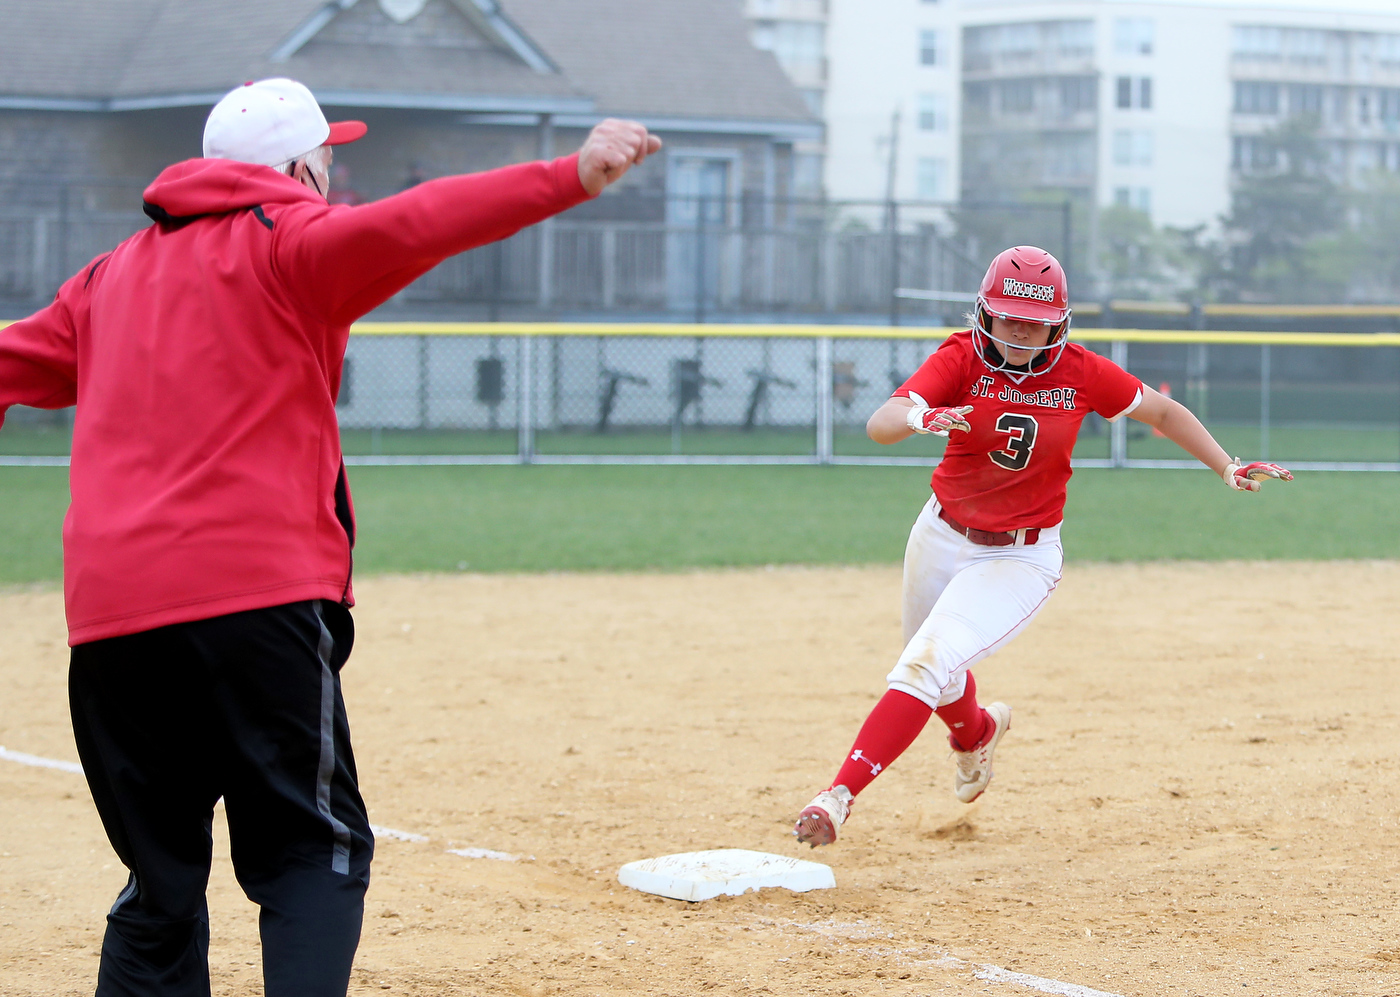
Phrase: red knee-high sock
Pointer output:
(891, 727)
(967, 722)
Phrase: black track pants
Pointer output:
(247, 707)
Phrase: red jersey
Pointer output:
(1010, 471)
(204, 354)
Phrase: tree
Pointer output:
(1363, 259)
(1138, 260)
(1285, 208)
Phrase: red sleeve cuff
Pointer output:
(566, 180)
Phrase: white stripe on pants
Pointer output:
(963, 601)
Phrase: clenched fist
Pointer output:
(611, 149)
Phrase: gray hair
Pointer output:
(315, 159)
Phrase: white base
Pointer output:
(727, 871)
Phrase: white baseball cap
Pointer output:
(272, 122)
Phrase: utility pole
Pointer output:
(892, 170)
(892, 216)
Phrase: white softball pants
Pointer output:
(963, 601)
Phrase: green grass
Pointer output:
(32, 503)
(1291, 442)
(31, 441)
(629, 518)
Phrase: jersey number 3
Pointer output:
(1022, 430)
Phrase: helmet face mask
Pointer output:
(993, 350)
(1023, 284)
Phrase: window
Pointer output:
(807, 174)
(1388, 108)
(1254, 155)
(816, 100)
(1263, 43)
(1257, 42)
(1305, 45)
(1256, 98)
(977, 100)
(1079, 93)
(932, 179)
(799, 46)
(1067, 158)
(1017, 96)
(1133, 35)
(1388, 51)
(1305, 100)
(1137, 198)
(1142, 148)
(1134, 93)
(1339, 107)
(933, 112)
(1132, 147)
(1123, 147)
(1018, 41)
(1075, 38)
(929, 54)
(1363, 108)
(985, 45)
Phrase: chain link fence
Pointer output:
(515, 393)
(693, 258)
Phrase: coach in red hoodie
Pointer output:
(207, 548)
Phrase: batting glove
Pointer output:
(937, 421)
(1246, 477)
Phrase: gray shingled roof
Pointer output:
(243, 34)
(673, 58)
(662, 57)
(68, 49)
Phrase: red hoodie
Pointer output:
(204, 356)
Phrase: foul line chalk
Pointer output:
(484, 853)
(986, 972)
(995, 974)
(860, 931)
(39, 763)
(397, 835)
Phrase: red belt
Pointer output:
(989, 538)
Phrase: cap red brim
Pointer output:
(1026, 311)
(346, 131)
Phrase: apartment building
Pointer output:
(795, 32)
(1160, 106)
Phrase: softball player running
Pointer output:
(984, 554)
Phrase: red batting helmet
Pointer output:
(1023, 284)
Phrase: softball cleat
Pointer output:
(975, 766)
(819, 822)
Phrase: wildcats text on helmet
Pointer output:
(1011, 287)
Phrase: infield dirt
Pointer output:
(1198, 794)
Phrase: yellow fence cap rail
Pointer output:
(1151, 307)
(1305, 311)
(886, 332)
(670, 329)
